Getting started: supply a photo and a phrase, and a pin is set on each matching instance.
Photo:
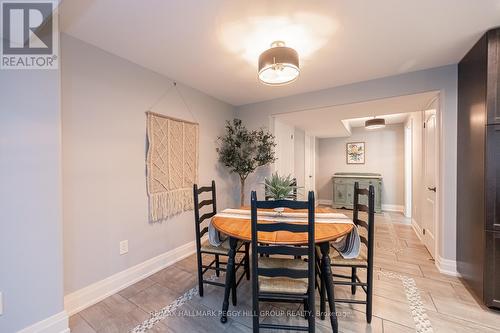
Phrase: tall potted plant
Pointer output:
(243, 151)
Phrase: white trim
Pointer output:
(408, 153)
(446, 266)
(418, 230)
(325, 202)
(57, 323)
(393, 208)
(96, 292)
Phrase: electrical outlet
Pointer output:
(1, 304)
(123, 247)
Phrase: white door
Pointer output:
(309, 164)
(430, 181)
(408, 167)
(284, 150)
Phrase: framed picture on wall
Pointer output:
(355, 152)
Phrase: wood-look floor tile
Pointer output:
(195, 317)
(350, 319)
(236, 327)
(355, 322)
(388, 289)
(153, 298)
(188, 264)
(386, 308)
(391, 327)
(78, 325)
(444, 323)
(136, 288)
(175, 279)
(464, 294)
(430, 271)
(425, 284)
(397, 266)
(474, 313)
(97, 315)
(114, 315)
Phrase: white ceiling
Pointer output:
(213, 45)
(335, 121)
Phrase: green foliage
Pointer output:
(243, 151)
(280, 187)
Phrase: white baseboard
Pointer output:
(417, 229)
(324, 202)
(446, 266)
(98, 291)
(58, 323)
(393, 208)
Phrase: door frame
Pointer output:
(408, 135)
(312, 162)
(278, 136)
(437, 168)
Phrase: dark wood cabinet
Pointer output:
(493, 70)
(478, 169)
(493, 178)
(492, 270)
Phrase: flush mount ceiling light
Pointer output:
(375, 123)
(278, 65)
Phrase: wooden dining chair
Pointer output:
(217, 251)
(283, 279)
(364, 260)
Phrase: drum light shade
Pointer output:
(375, 123)
(278, 65)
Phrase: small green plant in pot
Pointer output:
(280, 188)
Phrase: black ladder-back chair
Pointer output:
(207, 248)
(365, 259)
(282, 279)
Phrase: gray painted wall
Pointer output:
(442, 79)
(104, 99)
(384, 155)
(31, 276)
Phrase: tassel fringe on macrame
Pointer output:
(162, 205)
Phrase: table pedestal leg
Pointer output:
(229, 278)
(326, 274)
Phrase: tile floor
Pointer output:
(410, 295)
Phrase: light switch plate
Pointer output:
(123, 247)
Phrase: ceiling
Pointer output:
(336, 121)
(390, 119)
(214, 45)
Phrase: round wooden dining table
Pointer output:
(238, 229)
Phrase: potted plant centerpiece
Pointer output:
(280, 188)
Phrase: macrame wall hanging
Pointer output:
(172, 163)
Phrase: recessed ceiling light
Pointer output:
(375, 123)
(278, 65)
